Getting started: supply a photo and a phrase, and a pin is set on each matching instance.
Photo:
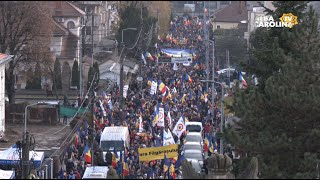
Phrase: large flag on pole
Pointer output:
(153, 88)
(156, 115)
(140, 124)
(161, 118)
(169, 119)
(167, 138)
(243, 81)
(144, 59)
(180, 127)
(175, 67)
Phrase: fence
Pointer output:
(45, 171)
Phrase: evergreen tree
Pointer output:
(264, 63)
(57, 71)
(75, 79)
(131, 17)
(280, 124)
(37, 77)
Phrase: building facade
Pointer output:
(100, 22)
(4, 59)
(231, 16)
(179, 7)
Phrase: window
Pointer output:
(88, 30)
(218, 26)
(70, 25)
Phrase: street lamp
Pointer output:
(38, 103)
(121, 75)
(223, 86)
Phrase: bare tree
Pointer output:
(23, 26)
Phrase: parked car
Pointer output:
(194, 126)
(192, 146)
(195, 137)
(194, 155)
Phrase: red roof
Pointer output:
(64, 9)
(235, 12)
(2, 56)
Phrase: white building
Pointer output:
(111, 70)
(253, 12)
(4, 59)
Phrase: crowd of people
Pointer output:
(187, 97)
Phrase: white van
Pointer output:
(115, 137)
(194, 126)
(96, 172)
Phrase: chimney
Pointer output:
(241, 6)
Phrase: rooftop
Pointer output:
(4, 58)
(235, 12)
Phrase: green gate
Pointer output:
(70, 111)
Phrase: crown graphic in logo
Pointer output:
(289, 19)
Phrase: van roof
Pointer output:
(115, 129)
(194, 133)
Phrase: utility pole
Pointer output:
(228, 66)
(81, 59)
(91, 123)
(206, 44)
(25, 156)
(121, 86)
(212, 84)
(92, 23)
(222, 116)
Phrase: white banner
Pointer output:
(140, 124)
(175, 67)
(169, 119)
(161, 118)
(102, 108)
(167, 138)
(125, 90)
(144, 59)
(153, 88)
(180, 127)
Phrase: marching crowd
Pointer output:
(182, 94)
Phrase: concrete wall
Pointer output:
(224, 25)
(56, 45)
(2, 98)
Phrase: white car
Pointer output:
(192, 146)
(194, 155)
(195, 137)
(194, 126)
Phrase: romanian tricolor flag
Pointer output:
(206, 145)
(87, 154)
(162, 88)
(183, 98)
(172, 172)
(102, 121)
(76, 141)
(149, 56)
(156, 115)
(165, 164)
(114, 160)
(243, 81)
(125, 167)
(188, 78)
